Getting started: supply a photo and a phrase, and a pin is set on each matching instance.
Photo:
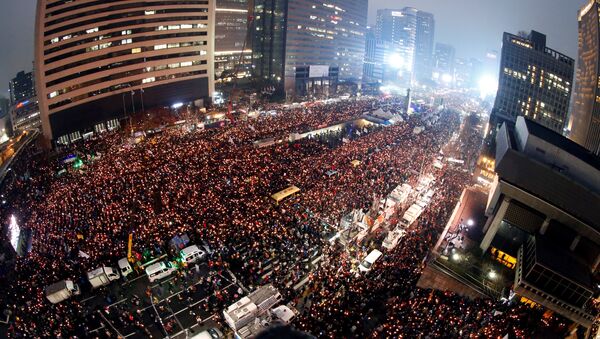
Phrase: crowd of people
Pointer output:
(216, 185)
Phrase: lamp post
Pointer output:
(124, 108)
(132, 103)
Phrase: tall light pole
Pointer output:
(132, 103)
(124, 109)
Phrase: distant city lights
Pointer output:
(488, 85)
(447, 78)
(396, 61)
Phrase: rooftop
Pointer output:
(531, 157)
(561, 142)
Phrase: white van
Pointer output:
(159, 270)
(367, 263)
(124, 267)
(191, 254)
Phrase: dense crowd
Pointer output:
(215, 185)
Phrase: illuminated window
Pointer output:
(149, 12)
(186, 63)
(175, 45)
(126, 41)
(186, 26)
(53, 94)
(147, 80)
(55, 40)
(92, 30)
(136, 50)
(126, 32)
(157, 47)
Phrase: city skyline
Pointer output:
(300, 168)
(18, 20)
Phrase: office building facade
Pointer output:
(231, 40)
(584, 124)
(424, 46)
(535, 82)
(24, 108)
(292, 34)
(21, 87)
(98, 62)
(553, 230)
(378, 55)
(443, 63)
(412, 32)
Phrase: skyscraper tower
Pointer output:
(289, 35)
(231, 31)
(535, 82)
(584, 124)
(412, 32)
(96, 62)
(424, 46)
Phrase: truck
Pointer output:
(392, 239)
(247, 309)
(412, 214)
(102, 276)
(61, 290)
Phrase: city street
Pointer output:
(179, 305)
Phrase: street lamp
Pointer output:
(124, 108)
(132, 103)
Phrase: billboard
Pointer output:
(318, 71)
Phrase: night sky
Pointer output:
(472, 26)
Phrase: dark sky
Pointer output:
(472, 26)
(475, 26)
(17, 18)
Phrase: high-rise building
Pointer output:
(24, 108)
(4, 106)
(584, 124)
(97, 62)
(21, 87)
(535, 82)
(542, 211)
(25, 115)
(378, 54)
(412, 32)
(399, 27)
(231, 33)
(443, 63)
(290, 35)
(424, 46)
